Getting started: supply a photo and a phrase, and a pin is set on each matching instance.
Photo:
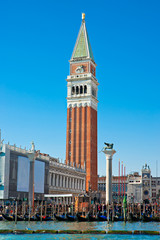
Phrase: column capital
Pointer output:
(108, 152)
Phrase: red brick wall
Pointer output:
(73, 135)
(91, 162)
(77, 142)
(68, 137)
(83, 145)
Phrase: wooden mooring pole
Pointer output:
(108, 213)
(16, 214)
(41, 211)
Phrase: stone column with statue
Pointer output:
(109, 152)
(32, 155)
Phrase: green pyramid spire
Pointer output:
(82, 47)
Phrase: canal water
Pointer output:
(154, 226)
(74, 237)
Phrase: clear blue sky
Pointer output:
(36, 42)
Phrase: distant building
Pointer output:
(155, 186)
(134, 189)
(139, 188)
(146, 184)
(144, 187)
(118, 190)
(119, 193)
(150, 186)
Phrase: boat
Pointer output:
(32, 218)
(156, 219)
(133, 218)
(102, 218)
(60, 217)
(1, 218)
(71, 218)
(19, 218)
(121, 218)
(82, 218)
(116, 218)
(92, 218)
(8, 217)
(146, 218)
(44, 218)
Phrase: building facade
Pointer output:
(15, 171)
(155, 186)
(146, 183)
(119, 188)
(65, 179)
(138, 188)
(150, 185)
(134, 189)
(82, 86)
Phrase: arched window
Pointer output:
(85, 89)
(73, 90)
(77, 90)
(81, 89)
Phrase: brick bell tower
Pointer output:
(82, 86)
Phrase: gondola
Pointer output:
(32, 218)
(102, 218)
(133, 218)
(44, 218)
(71, 218)
(92, 218)
(145, 218)
(156, 219)
(18, 218)
(121, 218)
(60, 217)
(8, 217)
(82, 218)
(116, 218)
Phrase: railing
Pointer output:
(25, 151)
(81, 76)
(17, 149)
(66, 189)
(62, 165)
